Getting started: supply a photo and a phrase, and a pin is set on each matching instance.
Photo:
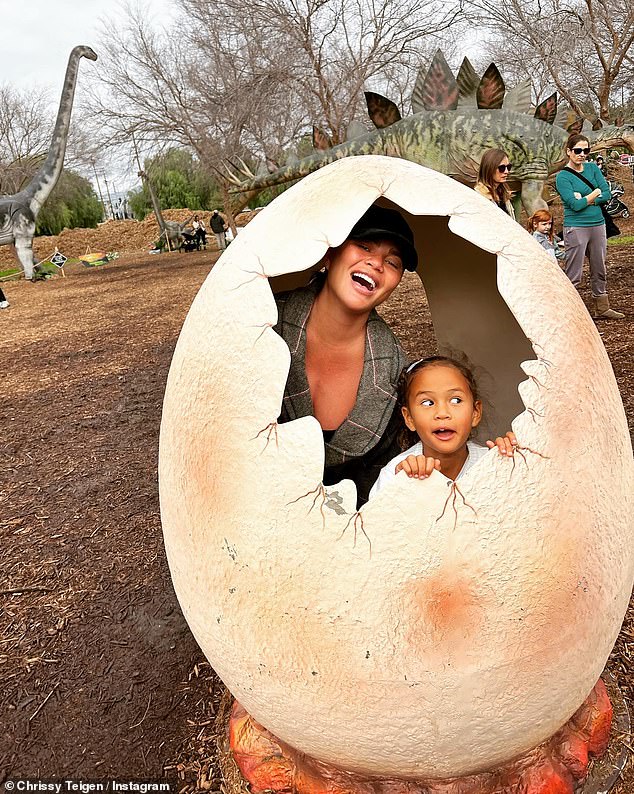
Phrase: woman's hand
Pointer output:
(418, 466)
(577, 195)
(506, 444)
(592, 196)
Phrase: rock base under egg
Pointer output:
(555, 767)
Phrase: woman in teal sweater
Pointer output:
(584, 226)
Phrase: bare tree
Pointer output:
(519, 63)
(27, 119)
(330, 49)
(253, 77)
(206, 96)
(24, 135)
(584, 44)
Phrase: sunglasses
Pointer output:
(579, 150)
(503, 168)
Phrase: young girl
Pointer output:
(540, 225)
(440, 407)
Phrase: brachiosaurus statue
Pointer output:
(172, 231)
(19, 211)
(455, 120)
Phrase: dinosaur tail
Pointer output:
(368, 144)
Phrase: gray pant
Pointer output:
(590, 240)
(220, 239)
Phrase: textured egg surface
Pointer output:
(442, 630)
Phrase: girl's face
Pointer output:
(501, 173)
(441, 410)
(543, 226)
(579, 152)
(364, 273)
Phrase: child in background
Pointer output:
(540, 225)
(440, 407)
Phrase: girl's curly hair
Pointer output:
(407, 438)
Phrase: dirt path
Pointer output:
(101, 678)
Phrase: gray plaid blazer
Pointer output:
(366, 440)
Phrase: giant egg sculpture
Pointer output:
(437, 632)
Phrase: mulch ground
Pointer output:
(100, 676)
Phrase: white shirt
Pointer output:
(474, 453)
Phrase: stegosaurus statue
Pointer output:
(455, 120)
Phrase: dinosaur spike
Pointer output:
(417, 94)
(321, 139)
(262, 169)
(490, 93)
(467, 82)
(382, 111)
(564, 115)
(226, 172)
(518, 99)
(619, 121)
(356, 129)
(439, 89)
(237, 173)
(572, 123)
(597, 124)
(547, 110)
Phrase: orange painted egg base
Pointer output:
(555, 767)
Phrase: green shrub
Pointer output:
(72, 204)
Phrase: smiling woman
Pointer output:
(345, 360)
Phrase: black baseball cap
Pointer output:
(380, 222)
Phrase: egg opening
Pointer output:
(426, 635)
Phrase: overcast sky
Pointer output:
(36, 36)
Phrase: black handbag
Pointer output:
(611, 229)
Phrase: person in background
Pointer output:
(200, 231)
(583, 189)
(540, 225)
(218, 227)
(494, 172)
(602, 166)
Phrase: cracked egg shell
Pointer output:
(438, 632)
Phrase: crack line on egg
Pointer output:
(520, 450)
(254, 273)
(270, 429)
(265, 327)
(538, 382)
(533, 413)
(540, 358)
(356, 517)
(318, 491)
(533, 451)
(453, 498)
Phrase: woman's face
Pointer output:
(579, 152)
(364, 273)
(501, 173)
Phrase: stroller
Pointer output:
(190, 242)
(615, 207)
